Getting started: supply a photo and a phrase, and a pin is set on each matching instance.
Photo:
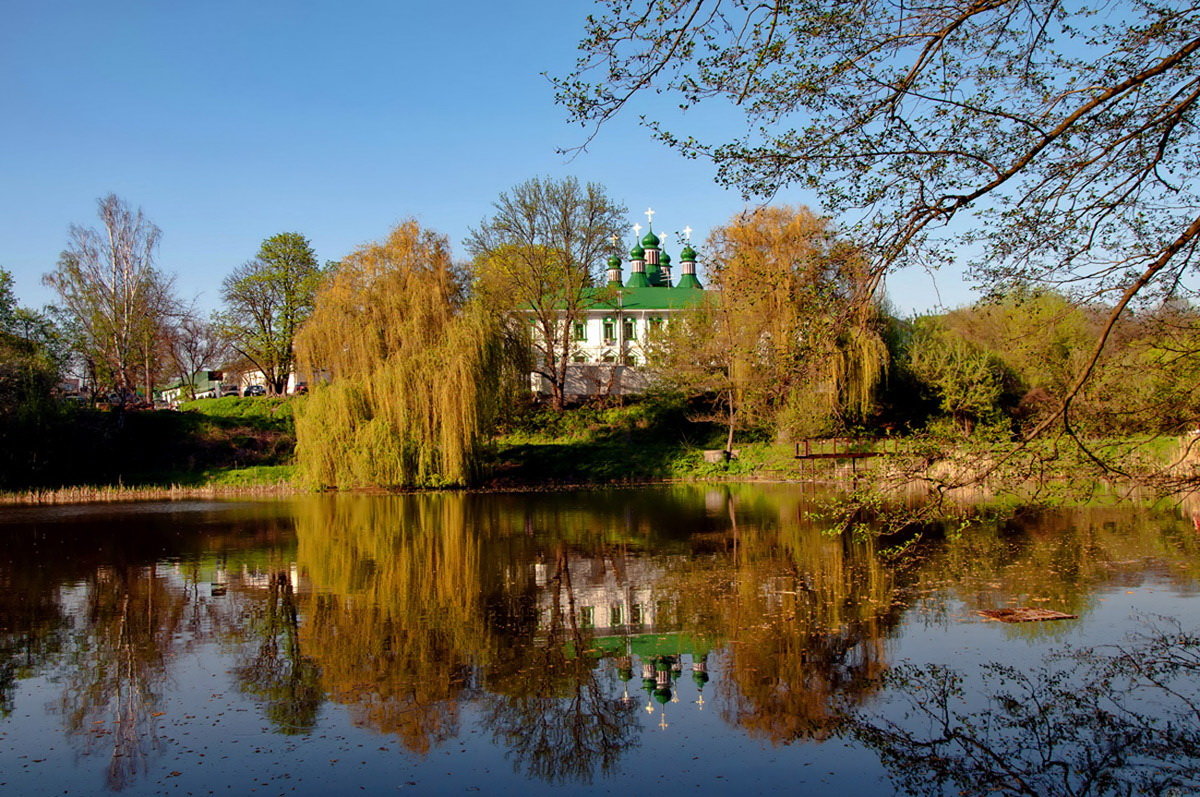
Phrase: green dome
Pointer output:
(651, 240)
(614, 262)
(625, 673)
(664, 259)
(701, 678)
(688, 254)
(637, 252)
(662, 695)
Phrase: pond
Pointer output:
(700, 638)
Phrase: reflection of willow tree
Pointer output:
(805, 616)
(1094, 722)
(547, 701)
(1056, 559)
(278, 672)
(119, 659)
(395, 619)
(406, 606)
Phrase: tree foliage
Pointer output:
(117, 302)
(1065, 131)
(29, 369)
(267, 300)
(538, 259)
(788, 345)
(969, 381)
(414, 374)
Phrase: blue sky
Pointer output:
(230, 122)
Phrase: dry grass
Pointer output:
(89, 495)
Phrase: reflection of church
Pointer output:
(605, 596)
(614, 599)
(660, 676)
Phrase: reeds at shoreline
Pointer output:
(112, 493)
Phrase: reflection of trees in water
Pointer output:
(806, 621)
(111, 620)
(394, 619)
(1057, 559)
(119, 659)
(420, 592)
(32, 625)
(277, 672)
(416, 602)
(400, 625)
(1092, 722)
(546, 700)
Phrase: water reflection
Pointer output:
(562, 626)
(273, 667)
(1110, 720)
(118, 660)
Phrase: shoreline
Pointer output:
(117, 493)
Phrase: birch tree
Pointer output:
(116, 300)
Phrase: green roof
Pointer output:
(657, 298)
(645, 298)
(638, 279)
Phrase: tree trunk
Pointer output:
(732, 424)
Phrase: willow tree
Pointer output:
(790, 342)
(407, 374)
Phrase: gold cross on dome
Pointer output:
(637, 229)
(650, 215)
(613, 239)
(687, 233)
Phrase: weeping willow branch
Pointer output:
(407, 375)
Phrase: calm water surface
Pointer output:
(624, 641)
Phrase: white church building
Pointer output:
(607, 351)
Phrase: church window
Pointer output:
(610, 330)
(630, 329)
(580, 330)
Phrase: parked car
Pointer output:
(255, 390)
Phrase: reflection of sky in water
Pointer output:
(208, 734)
